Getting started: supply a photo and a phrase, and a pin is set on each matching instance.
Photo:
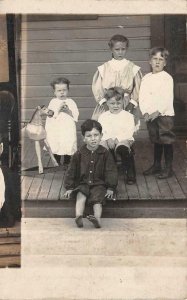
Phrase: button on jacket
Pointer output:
(92, 168)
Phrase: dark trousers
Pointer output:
(127, 159)
(168, 154)
(67, 158)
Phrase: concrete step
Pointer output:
(117, 237)
(113, 209)
(126, 259)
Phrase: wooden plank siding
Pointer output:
(74, 49)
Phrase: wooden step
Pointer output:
(117, 209)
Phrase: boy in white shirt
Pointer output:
(156, 105)
(118, 129)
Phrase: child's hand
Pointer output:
(109, 194)
(111, 143)
(130, 107)
(154, 115)
(68, 193)
(66, 110)
(50, 113)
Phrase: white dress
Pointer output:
(61, 128)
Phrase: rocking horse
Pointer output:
(36, 132)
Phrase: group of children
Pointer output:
(118, 88)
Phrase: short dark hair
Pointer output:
(164, 52)
(116, 92)
(89, 124)
(60, 80)
(118, 38)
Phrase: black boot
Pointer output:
(127, 159)
(131, 171)
(156, 167)
(58, 158)
(168, 155)
(67, 159)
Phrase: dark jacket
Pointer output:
(92, 168)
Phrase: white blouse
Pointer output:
(122, 73)
(156, 94)
(120, 126)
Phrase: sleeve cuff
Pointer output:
(134, 102)
(102, 101)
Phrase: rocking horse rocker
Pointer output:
(36, 132)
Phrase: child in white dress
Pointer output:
(61, 127)
(118, 72)
(118, 129)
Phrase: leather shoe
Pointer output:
(166, 173)
(152, 170)
(131, 180)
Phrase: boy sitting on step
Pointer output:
(92, 174)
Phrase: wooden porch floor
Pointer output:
(49, 186)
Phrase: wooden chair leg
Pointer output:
(38, 153)
(50, 153)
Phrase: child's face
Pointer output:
(115, 106)
(119, 50)
(92, 139)
(157, 63)
(61, 91)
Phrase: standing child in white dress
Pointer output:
(117, 72)
(61, 128)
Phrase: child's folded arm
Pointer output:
(97, 88)
(135, 92)
(74, 110)
(67, 111)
